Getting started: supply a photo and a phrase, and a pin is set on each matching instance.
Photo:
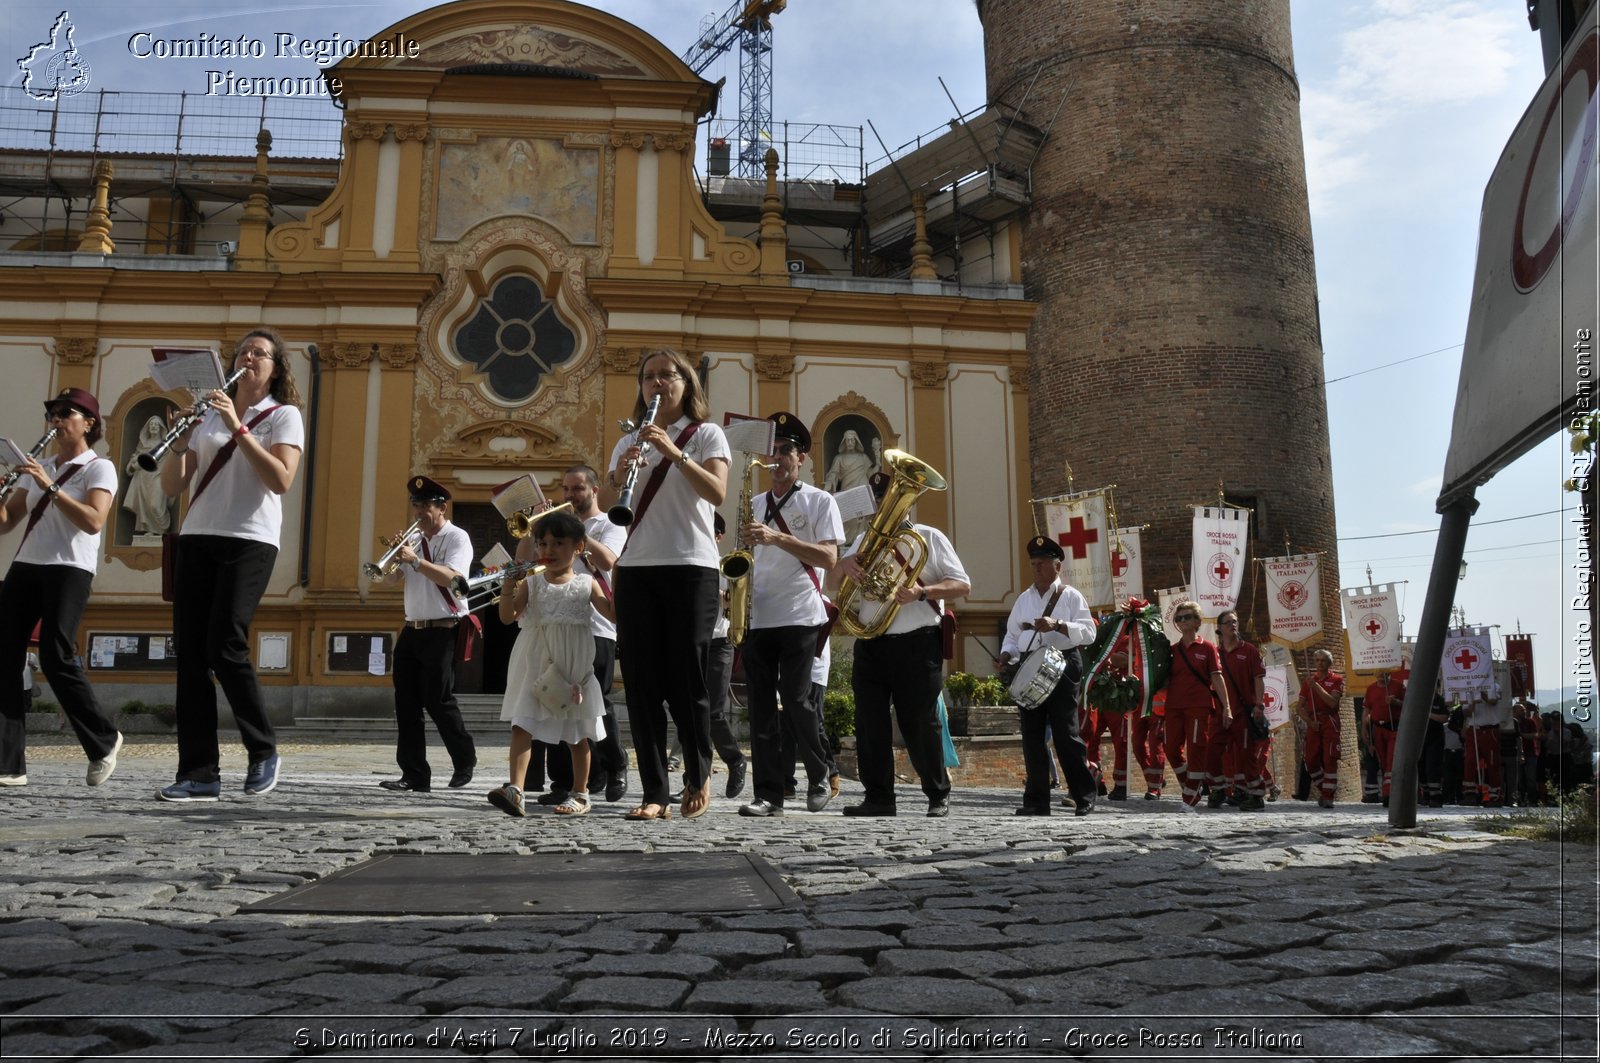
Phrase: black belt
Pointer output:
(919, 632)
(447, 621)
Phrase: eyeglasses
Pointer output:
(1181, 617)
(786, 448)
(662, 378)
(1227, 623)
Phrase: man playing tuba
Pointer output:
(902, 665)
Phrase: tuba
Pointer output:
(738, 566)
(891, 556)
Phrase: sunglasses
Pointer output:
(1181, 617)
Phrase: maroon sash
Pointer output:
(470, 629)
(44, 501)
(654, 484)
(831, 610)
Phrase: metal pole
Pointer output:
(1454, 519)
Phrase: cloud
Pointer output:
(1427, 487)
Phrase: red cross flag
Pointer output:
(1079, 524)
(1467, 665)
(1276, 702)
(1294, 600)
(1372, 626)
(1221, 536)
(1127, 565)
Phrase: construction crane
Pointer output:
(750, 23)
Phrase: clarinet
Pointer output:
(151, 460)
(622, 512)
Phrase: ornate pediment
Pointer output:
(506, 443)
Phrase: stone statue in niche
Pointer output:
(854, 451)
(152, 511)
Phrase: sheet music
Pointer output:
(518, 495)
(752, 435)
(856, 502)
(495, 558)
(198, 370)
(10, 454)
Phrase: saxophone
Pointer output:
(738, 565)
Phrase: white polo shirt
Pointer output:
(600, 529)
(676, 529)
(55, 539)
(1071, 608)
(425, 599)
(782, 594)
(942, 564)
(236, 504)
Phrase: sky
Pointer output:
(1405, 107)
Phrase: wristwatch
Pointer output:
(53, 490)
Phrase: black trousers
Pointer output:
(905, 671)
(424, 681)
(777, 664)
(818, 706)
(54, 597)
(1058, 714)
(718, 679)
(219, 582)
(665, 615)
(609, 756)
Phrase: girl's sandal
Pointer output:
(574, 805)
(696, 803)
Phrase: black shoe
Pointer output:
(554, 797)
(789, 790)
(1252, 803)
(1118, 793)
(1031, 810)
(736, 774)
(938, 808)
(598, 783)
(1083, 806)
(870, 808)
(761, 809)
(460, 778)
(616, 786)
(405, 784)
(1151, 795)
(1217, 798)
(817, 797)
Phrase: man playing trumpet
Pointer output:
(424, 655)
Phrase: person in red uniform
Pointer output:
(1197, 703)
(1381, 707)
(1319, 707)
(1244, 757)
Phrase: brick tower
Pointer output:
(1169, 247)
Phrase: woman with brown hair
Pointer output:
(666, 579)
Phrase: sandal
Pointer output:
(696, 802)
(574, 805)
(643, 813)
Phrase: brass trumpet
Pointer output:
(380, 569)
(891, 556)
(520, 524)
(487, 587)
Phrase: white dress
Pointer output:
(554, 651)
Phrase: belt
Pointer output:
(447, 621)
(1385, 726)
(916, 632)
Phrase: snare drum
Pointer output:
(1037, 676)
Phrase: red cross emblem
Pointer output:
(1119, 562)
(1373, 627)
(1078, 538)
(1222, 571)
(1269, 699)
(1465, 659)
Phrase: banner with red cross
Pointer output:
(1467, 665)
(1079, 524)
(1221, 536)
(1276, 702)
(1127, 565)
(1372, 627)
(1294, 598)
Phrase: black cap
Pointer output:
(1044, 546)
(425, 490)
(790, 428)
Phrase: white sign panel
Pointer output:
(1372, 622)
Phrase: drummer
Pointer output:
(1048, 624)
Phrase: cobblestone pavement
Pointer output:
(1136, 932)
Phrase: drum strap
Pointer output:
(1048, 609)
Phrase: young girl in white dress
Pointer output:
(551, 692)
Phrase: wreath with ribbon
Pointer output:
(1136, 630)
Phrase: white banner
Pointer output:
(1277, 696)
(1294, 598)
(1127, 565)
(1221, 536)
(1080, 526)
(1372, 627)
(1466, 664)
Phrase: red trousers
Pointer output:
(1383, 740)
(1190, 749)
(1322, 754)
(1481, 761)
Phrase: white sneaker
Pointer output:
(100, 770)
(1187, 809)
(13, 780)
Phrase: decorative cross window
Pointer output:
(515, 338)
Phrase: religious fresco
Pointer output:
(497, 176)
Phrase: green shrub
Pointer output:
(839, 713)
(43, 706)
(964, 688)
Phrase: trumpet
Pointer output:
(622, 512)
(380, 569)
(468, 586)
(520, 524)
(150, 461)
(489, 586)
(891, 555)
(16, 474)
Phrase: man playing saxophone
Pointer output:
(903, 666)
(794, 532)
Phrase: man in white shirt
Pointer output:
(424, 655)
(904, 667)
(1052, 614)
(794, 537)
(580, 486)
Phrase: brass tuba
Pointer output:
(739, 565)
(891, 556)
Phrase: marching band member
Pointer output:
(1195, 692)
(1319, 707)
(795, 531)
(666, 579)
(718, 677)
(904, 667)
(242, 458)
(1052, 613)
(580, 485)
(62, 502)
(425, 652)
